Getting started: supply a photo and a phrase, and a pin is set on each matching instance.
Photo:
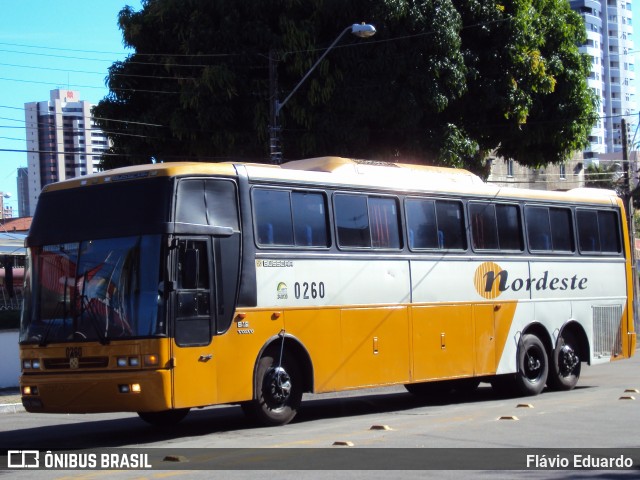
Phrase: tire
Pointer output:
(165, 418)
(533, 366)
(564, 371)
(279, 391)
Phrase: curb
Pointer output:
(11, 407)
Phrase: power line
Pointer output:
(157, 77)
(90, 86)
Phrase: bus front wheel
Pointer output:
(165, 418)
(279, 391)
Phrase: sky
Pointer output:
(70, 44)
(45, 45)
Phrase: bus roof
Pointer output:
(345, 172)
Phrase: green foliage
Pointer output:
(603, 176)
(442, 82)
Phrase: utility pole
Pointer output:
(361, 30)
(275, 152)
(626, 185)
(628, 205)
(625, 163)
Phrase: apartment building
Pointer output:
(610, 46)
(62, 142)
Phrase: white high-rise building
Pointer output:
(62, 141)
(610, 46)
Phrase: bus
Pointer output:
(161, 288)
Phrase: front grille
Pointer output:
(83, 362)
(606, 330)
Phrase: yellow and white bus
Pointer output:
(160, 288)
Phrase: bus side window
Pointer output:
(273, 222)
(385, 225)
(588, 230)
(450, 219)
(609, 232)
(421, 221)
(352, 220)
(509, 227)
(484, 229)
(561, 229)
(265, 234)
(598, 231)
(310, 219)
(538, 228)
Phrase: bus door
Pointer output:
(193, 356)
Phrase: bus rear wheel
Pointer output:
(533, 369)
(279, 391)
(165, 418)
(533, 366)
(565, 364)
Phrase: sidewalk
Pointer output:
(10, 400)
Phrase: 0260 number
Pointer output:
(307, 290)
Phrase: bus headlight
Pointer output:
(28, 364)
(128, 362)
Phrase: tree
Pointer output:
(443, 81)
(604, 176)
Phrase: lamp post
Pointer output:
(363, 30)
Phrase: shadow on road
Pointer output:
(121, 431)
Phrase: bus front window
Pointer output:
(93, 290)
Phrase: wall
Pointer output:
(9, 358)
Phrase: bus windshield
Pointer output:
(92, 290)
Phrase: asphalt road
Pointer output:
(354, 434)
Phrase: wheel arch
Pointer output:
(292, 346)
(574, 328)
(542, 333)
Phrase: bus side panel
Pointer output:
(318, 330)
(593, 293)
(521, 316)
(443, 338)
(504, 318)
(484, 328)
(375, 346)
(323, 282)
(238, 350)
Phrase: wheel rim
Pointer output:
(567, 361)
(533, 365)
(277, 387)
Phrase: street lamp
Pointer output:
(361, 30)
